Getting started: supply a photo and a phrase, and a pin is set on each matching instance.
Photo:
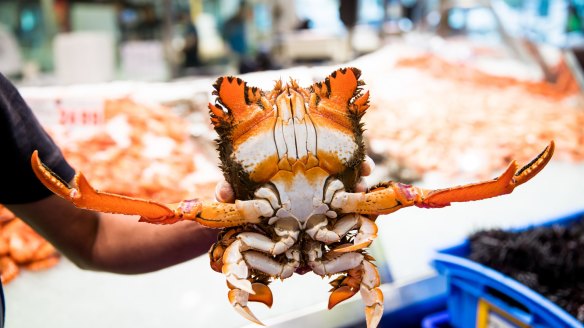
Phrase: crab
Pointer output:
(293, 156)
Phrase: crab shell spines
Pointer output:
(232, 115)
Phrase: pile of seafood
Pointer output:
(140, 151)
(153, 154)
(432, 115)
(22, 248)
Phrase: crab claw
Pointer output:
(85, 196)
(391, 196)
(504, 184)
(209, 214)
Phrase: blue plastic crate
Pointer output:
(479, 296)
(437, 320)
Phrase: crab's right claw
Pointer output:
(85, 196)
(209, 214)
(504, 184)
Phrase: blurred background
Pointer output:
(162, 40)
(459, 88)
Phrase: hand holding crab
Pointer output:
(294, 158)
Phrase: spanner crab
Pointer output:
(293, 156)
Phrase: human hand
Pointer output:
(224, 192)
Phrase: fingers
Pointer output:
(224, 192)
(361, 186)
(367, 166)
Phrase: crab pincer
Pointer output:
(391, 196)
(210, 214)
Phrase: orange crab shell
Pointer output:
(248, 121)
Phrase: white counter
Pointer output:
(192, 295)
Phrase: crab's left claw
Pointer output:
(85, 196)
(504, 184)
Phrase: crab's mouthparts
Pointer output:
(303, 269)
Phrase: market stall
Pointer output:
(433, 122)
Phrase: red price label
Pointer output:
(80, 112)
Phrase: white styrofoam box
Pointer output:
(84, 57)
(143, 60)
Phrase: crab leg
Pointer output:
(226, 238)
(371, 294)
(364, 278)
(267, 264)
(324, 264)
(361, 275)
(254, 240)
(239, 298)
(367, 232)
(392, 196)
(236, 262)
(221, 253)
(210, 214)
(236, 269)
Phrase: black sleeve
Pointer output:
(21, 134)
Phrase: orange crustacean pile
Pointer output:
(22, 247)
(432, 115)
(150, 146)
(153, 157)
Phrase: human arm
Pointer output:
(113, 243)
